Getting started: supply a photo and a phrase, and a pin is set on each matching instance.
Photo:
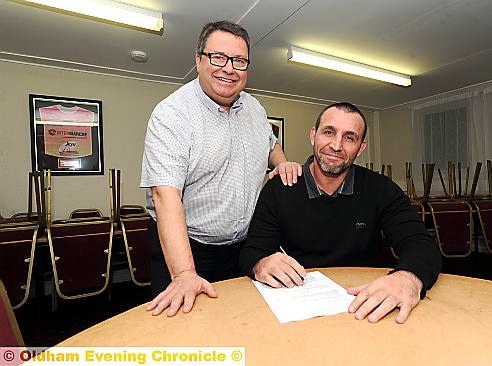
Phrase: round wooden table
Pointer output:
(451, 326)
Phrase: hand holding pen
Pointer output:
(279, 270)
(283, 251)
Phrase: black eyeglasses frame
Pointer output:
(231, 58)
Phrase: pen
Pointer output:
(283, 251)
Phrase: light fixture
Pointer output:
(304, 56)
(112, 11)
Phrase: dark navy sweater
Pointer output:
(345, 230)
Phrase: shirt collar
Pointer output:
(347, 187)
(211, 105)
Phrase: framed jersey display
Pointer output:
(277, 124)
(66, 135)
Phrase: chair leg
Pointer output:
(109, 289)
(476, 232)
(54, 297)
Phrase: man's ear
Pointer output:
(362, 147)
(198, 58)
(312, 133)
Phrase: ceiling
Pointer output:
(443, 44)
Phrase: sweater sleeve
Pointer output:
(264, 231)
(416, 248)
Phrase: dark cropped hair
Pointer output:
(222, 25)
(348, 108)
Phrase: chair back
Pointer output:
(80, 256)
(134, 230)
(419, 208)
(17, 244)
(24, 217)
(83, 213)
(484, 213)
(10, 335)
(453, 224)
(126, 210)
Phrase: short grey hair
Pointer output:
(224, 26)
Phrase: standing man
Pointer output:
(334, 217)
(207, 148)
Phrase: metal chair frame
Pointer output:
(23, 227)
(488, 242)
(66, 223)
(10, 330)
(135, 210)
(86, 213)
(128, 246)
(437, 227)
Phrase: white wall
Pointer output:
(127, 104)
(396, 138)
(395, 128)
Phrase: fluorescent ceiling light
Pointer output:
(109, 10)
(304, 56)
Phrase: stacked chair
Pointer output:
(134, 228)
(453, 222)
(133, 220)
(18, 235)
(80, 247)
(17, 243)
(483, 209)
(80, 251)
(10, 335)
(80, 255)
(454, 215)
(36, 187)
(484, 214)
(385, 169)
(84, 213)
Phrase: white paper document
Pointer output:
(317, 297)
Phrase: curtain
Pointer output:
(455, 128)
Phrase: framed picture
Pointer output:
(277, 124)
(66, 135)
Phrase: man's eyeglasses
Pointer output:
(219, 59)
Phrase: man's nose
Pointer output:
(336, 143)
(228, 67)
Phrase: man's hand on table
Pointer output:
(182, 292)
(378, 298)
(278, 270)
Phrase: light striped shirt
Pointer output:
(217, 159)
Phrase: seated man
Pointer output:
(334, 216)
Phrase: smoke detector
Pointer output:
(139, 56)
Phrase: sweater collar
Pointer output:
(347, 187)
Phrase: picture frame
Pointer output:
(66, 135)
(277, 124)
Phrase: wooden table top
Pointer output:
(451, 326)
